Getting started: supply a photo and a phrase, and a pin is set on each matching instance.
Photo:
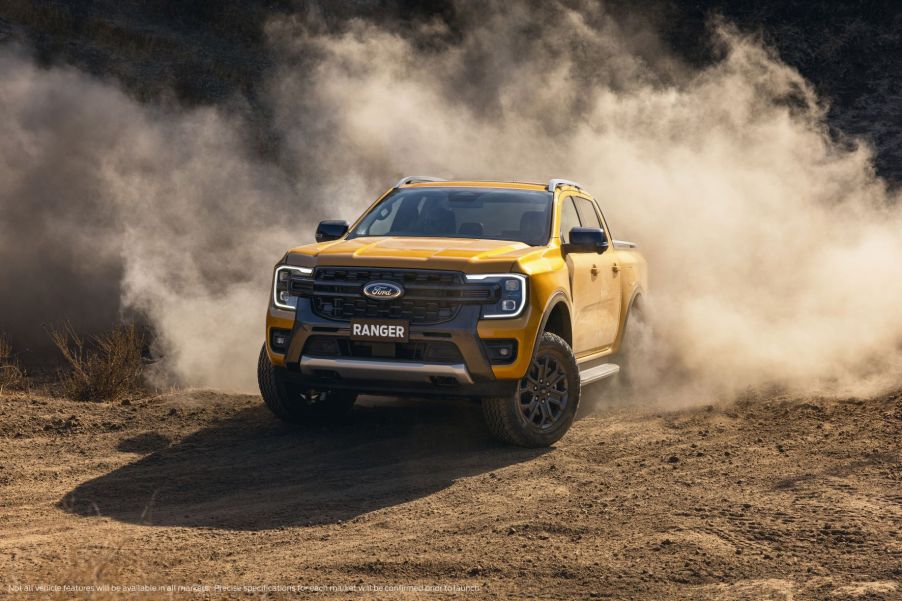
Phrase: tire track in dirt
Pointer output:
(771, 498)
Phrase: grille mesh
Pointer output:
(434, 352)
(430, 297)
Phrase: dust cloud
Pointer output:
(110, 207)
(773, 247)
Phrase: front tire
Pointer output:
(544, 406)
(291, 401)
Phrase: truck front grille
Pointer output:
(430, 297)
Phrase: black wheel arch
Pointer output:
(635, 301)
(636, 304)
(557, 317)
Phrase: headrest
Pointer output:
(531, 225)
(407, 214)
(438, 220)
(470, 228)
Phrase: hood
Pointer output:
(462, 254)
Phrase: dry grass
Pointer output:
(102, 368)
(12, 376)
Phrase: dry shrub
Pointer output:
(104, 367)
(12, 376)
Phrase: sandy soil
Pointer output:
(764, 499)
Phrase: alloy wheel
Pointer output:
(544, 392)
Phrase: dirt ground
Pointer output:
(771, 498)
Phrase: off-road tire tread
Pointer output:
(269, 389)
(267, 378)
(500, 412)
(493, 410)
(625, 378)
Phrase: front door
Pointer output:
(605, 276)
(594, 283)
(586, 309)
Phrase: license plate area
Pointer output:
(380, 330)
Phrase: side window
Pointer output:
(587, 214)
(569, 219)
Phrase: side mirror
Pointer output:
(586, 240)
(331, 229)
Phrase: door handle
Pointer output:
(615, 268)
(594, 270)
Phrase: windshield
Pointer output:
(484, 213)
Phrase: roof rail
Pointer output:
(415, 179)
(554, 183)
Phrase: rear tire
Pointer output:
(632, 345)
(544, 406)
(291, 401)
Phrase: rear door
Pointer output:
(604, 273)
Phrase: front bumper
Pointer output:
(472, 375)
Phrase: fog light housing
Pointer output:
(501, 352)
(279, 340)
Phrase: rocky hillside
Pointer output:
(206, 52)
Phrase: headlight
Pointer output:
(281, 283)
(513, 294)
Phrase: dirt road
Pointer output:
(765, 499)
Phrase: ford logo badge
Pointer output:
(382, 290)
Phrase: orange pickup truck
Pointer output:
(512, 294)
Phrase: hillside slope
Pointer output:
(216, 52)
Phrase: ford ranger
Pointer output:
(513, 294)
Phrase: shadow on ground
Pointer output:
(251, 472)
